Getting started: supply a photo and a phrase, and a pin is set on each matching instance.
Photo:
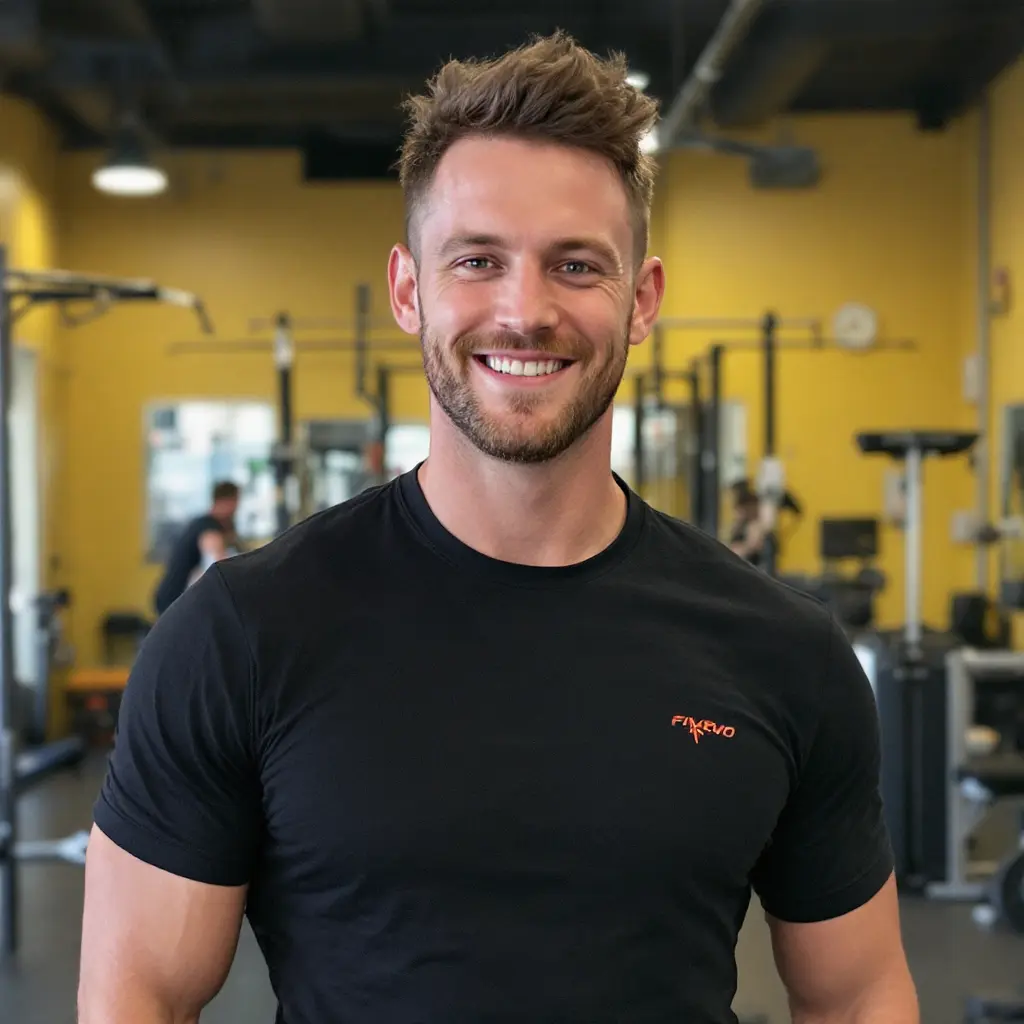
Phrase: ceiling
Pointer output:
(329, 75)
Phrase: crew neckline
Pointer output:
(457, 552)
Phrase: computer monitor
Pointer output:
(848, 538)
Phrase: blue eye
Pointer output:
(478, 260)
(583, 267)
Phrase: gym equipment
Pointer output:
(288, 454)
(982, 688)
(21, 290)
(909, 675)
(995, 777)
(771, 475)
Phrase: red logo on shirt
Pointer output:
(698, 729)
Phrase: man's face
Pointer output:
(526, 295)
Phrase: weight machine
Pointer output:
(20, 291)
(771, 481)
(289, 451)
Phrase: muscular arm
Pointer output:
(156, 947)
(178, 820)
(850, 970)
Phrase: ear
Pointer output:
(650, 290)
(403, 289)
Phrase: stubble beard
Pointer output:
(509, 436)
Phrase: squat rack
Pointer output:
(284, 346)
(705, 414)
(20, 291)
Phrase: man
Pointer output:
(496, 742)
(208, 539)
(748, 533)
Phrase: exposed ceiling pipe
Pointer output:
(317, 21)
(693, 95)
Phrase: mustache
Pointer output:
(568, 347)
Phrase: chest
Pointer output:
(526, 746)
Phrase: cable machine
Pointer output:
(20, 291)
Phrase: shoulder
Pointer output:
(345, 540)
(777, 639)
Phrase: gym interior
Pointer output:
(840, 211)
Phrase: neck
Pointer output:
(556, 513)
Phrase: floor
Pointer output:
(949, 957)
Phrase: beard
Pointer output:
(521, 433)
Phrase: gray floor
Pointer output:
(949, 956)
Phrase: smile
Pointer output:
(524, 367)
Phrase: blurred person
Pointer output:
(206, 540)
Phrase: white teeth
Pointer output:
(518, 368)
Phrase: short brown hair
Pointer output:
(225, 490)
(549, 90)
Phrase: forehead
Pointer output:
(527, 190)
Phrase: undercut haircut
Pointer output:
(550, 90)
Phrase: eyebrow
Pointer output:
(564, 245)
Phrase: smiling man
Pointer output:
(497, 743)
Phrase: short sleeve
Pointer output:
(182, 786)
(831, 850)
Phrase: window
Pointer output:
(192, 445)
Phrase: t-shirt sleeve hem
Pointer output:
(836, 903)
(167, 856)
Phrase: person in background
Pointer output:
(748, 534)
(209, 538)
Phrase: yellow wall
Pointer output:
(885, 227)
(888, 226)
(1007, 184)
(245, 233)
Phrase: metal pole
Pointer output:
(658, 358)
(383, 415)
(712, 435)
(770, 551)
(284, 464)
(638, 433)
(362, 330)
(696, 444)
(768, 341)
(8, 815)
(983, 449)
(912, 539)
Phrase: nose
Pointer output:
(526, 302)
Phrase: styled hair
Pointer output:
(549, 90)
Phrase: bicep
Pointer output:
(833, 963)
(152, 942)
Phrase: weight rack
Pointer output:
(20, 291)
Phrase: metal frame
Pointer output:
(768, 345)
(966, 803)
(19, 292)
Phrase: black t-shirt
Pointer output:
(184, 559)
(465, 791)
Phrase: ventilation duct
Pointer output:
(317, 21)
